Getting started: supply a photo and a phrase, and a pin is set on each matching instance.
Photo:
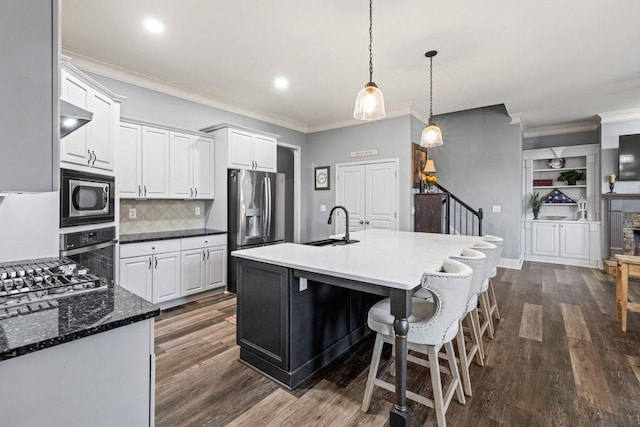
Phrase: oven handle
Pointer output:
(89, 248)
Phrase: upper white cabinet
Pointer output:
(191, 166)
(155, 162)
(246, 148)
(91, 146)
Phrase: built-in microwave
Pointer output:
(85, 198)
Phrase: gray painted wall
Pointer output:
(481, 162)
(547, 141)
(391, 137)
(157, 107)
(286, 166)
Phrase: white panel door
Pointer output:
(193, 271)
(350, 193)
(166, 276)
(100, 130)
(180, 165)
(544, 238)
(74, 147)
(380, 201)
(129, 164)
(265, 154)
(203, 168)
(216, 265)
(240, 149)
(136, 276)
(574, 241)
(155, 162)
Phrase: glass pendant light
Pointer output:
(370, 102)
(431, 135)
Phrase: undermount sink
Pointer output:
(332, 242)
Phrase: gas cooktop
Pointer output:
(28, 286)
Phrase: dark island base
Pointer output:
(290, 326)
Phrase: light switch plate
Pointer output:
(197, 210)
(132, 213)
(497, 208)
(303, 284)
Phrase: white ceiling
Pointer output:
(560, 63)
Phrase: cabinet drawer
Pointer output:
(203, 241)
(147, 248)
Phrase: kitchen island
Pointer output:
(299, 306)
(78, 360)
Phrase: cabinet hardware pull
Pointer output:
(94, 157)
(145, 191)
(367, 222)
(207, 253)
(204, 255)
(156, 266)
(361, 222)
(90, 157)
(196, 191)
(149, 263)
(191, 189)
(139, 191)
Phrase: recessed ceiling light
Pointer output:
(281, 83)
(154, 26)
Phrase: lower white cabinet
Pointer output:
(164, 270)
(563, 242)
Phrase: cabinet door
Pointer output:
(155, 162)
(544, 238)
(74, 148)
(574, 241)
(265, 153)
(166, 276)
(216, 264)
(136, 276)
(203, 168)
(240, 150)
(350, 193)
(180, 169)
(100, 130)
(428, 216)
(129, 165)
(193, 262)
(380, 196)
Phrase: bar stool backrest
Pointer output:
(477, 261)
(491, 251)
(498, 241)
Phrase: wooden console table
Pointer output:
(623, 305)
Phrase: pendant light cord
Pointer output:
(431, 90)
(370, 40)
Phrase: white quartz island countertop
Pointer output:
(395, 259)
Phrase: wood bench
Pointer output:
(623, 305)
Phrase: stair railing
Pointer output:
(460, 217)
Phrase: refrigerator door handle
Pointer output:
(263, 218)
(269, 207)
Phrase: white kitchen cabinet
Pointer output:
(191, 166)
(91, 146)
(246, 148)
(193, 274)
(155, 163)
(166, 276)
(215, 267)
(563, 242)
(136, 275)
(129, 164)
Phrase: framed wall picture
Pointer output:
(418, 160)
(322, 175)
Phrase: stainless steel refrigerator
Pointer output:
(255, 213)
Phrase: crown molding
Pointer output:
(419, 113)
(561, 129)
(394, 111)
(93, 65)
(619, 116)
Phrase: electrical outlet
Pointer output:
(132, 213)
(323, 208)
(497, 208)
(197, 210)
(303, 284)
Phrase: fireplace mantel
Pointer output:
(621, 196)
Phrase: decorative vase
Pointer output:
(535, 214)
(571, 181)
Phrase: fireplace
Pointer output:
(623, 224)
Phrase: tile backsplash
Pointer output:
(160, 215)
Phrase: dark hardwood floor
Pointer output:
(558, 358)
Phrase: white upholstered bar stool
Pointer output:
(491, 251)
(432, 325)
(466, 353)
(498, 241)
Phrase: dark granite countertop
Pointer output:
(167, 235)
(68, 318)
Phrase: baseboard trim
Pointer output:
(511, 263)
